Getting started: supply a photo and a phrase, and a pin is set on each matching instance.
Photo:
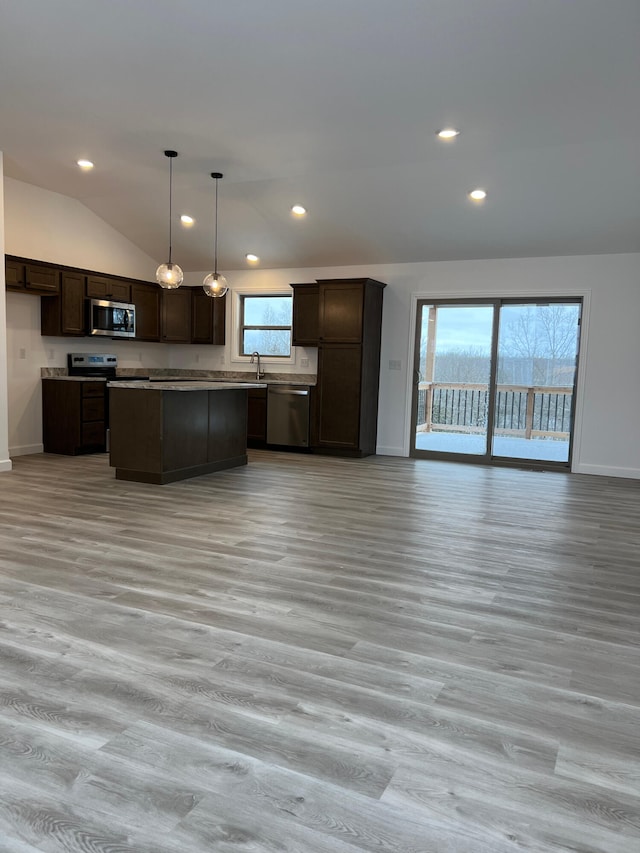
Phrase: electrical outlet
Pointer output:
(304, 362)
(23, 352)
(50, 355)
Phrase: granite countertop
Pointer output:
(155, 376)
(77, 378)
(264, 380)
(181, 385)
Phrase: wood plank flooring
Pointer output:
(314, 654)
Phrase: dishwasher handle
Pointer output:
(289, 393)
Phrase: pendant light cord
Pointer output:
(170, 203)
(215, 243)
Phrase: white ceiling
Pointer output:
(333, 104)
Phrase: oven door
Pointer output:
(111, 319)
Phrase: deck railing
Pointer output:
(521, 410)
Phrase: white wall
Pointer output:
(608, 404)
(50, 227)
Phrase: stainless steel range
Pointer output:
(100, 364)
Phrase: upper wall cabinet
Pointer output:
(99, 287)
(175, 313)
(146, 298)
(208, 318)
(64, 314)
(31, 277)
(181, 316)
(305, 329)
(340, 311)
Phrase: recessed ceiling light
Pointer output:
(478, 195)
(298, 210)
(448, 133)
(186, 220)
(252, 258)
(85, 165)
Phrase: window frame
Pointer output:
(239, 295)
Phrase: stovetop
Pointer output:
(99, 365)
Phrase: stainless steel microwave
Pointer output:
(111, 319)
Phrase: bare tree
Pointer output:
(470, 365)
(539, 345)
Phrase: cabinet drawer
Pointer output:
(93, 434)
(93, 389)
(93, 409)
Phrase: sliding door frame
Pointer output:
(577, 401)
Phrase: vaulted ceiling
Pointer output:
(333, 104)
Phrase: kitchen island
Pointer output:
(161, 432)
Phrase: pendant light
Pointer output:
(170, 275)
(215, 284)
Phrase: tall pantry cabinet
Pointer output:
(343, 318)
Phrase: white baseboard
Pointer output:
(390, 451)
(26, 449)
(607, 471)
(5, 465)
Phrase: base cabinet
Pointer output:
(73, 416)
(339, 396)
(160, 436)
(257, 417)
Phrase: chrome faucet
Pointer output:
(255, 357)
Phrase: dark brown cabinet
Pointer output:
(182, 316)
(257, 417)
(340, 312)
(65, 314)
(175, 312)
(348, 314)
(305, 329)
(104, 287)
(146, 298)
(14, 274)
(73, 416)
(41, 279)
(207, 318)
(31, 277)
(339, 396)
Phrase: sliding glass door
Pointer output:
(537, 361)
(495, 380)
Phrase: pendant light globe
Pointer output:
(214, 284)
(170, 275)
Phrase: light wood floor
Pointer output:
(315, 654)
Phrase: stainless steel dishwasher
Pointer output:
(288, 415)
